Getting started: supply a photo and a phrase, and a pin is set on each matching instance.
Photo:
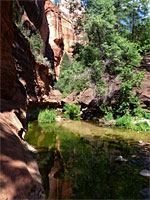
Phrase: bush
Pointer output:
(72, 111)
(142, 126)
(140, 113)
(47, 116)
(125, 121)
(73, 78)
(108, 116)
(35, 40)
(146, 115)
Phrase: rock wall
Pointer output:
(60, 36)
(7, 65)
(53, 15)
(23, 83)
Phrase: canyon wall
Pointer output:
(24, 82)
(60, 36)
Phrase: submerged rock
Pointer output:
(145, 172)
(146, 193)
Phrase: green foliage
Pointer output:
(35, 40)
(142, 126)
(36, 44)
(114, 46)
(140, 113)
(73, 77)
(72, 111)
(47, 116)
(146, 115)
(108, 116)
(108, 111)
(124, 121)
(17, 12)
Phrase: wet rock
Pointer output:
(101, 122)
(140, 142)
(146, 193)
(120, 159)
(145, 172)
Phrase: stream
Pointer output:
(79, 160)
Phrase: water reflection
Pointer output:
(77, 161)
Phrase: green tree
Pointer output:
(111, 27)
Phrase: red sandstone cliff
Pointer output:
(60, 36)
(23, 82)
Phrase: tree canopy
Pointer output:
(118, 34)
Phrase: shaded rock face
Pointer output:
(19, 174)
(23, 82)
(34, 79)
(145, 92)
(145, 63)
(34, 18)
(8, 72)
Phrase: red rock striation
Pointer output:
(23, 82)
(53, 15)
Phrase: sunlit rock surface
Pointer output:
(56, 29)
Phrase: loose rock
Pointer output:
(145, 172)
(120, 159)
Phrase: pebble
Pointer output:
(140, 142)
(120, 159)
(145, 172)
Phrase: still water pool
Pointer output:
(77, 160)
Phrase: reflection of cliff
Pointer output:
(59, 187)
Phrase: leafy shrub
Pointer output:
(108, 116)
(72, 111)
(146, 115)
(142, 126)
(140, 113)
(124, 121)
(47, 116)
(73, 78)
(35, 40)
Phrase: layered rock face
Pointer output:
(60, 36)
(23, 82)
(55, 40)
